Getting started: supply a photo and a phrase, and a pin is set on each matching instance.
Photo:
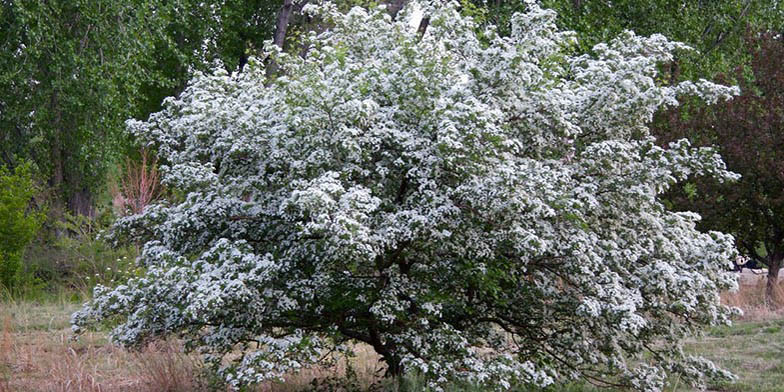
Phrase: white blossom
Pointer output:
(476, 207)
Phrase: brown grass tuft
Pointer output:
(164, 366)
(70, 372)
(5, 355)
(343, 374)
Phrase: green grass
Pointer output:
(754, 351)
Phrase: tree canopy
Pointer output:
(715, 28)
(58, 108)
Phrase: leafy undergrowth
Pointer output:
(38, 354)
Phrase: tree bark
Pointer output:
(423, 25)
(56, 179)
(394, 367)
(80, 201)
(243, 60)
(774, 265)
(282, 23)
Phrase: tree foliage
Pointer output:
(715, 28)
(69, 77)
(748, 132)
(20, 220)
(198, 35)
(477, 208)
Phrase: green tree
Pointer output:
(70, 75)
(199, 35)
(72, 72)
(474, 208)
(18, 220)
(749, 133)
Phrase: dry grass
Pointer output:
(363, 369)
(38, 354)
(751, 299)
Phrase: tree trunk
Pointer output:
(56, 151)
(279, 36)
(64, 179)
(774, 265)
(394, 367)
(282, 24)
(80, 201)
(387, 353)
(423, 25)
(243, 59)
(57, 177)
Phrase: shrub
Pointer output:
(87, 259)
(476, 208)
(19, 220)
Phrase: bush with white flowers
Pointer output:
(476, 208)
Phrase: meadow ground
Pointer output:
(37, 353)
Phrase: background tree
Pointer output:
(749, 133)
(201, 35)
(475, 208)
(715, 28)
(69, 77)
(72, 72)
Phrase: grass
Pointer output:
(754, 351)
(37, 353)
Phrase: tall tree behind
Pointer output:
(72, 72)
(196, 34)
(69, 77)
(749, 132)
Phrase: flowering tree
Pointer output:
(474, 207)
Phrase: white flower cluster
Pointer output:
(474, 207)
